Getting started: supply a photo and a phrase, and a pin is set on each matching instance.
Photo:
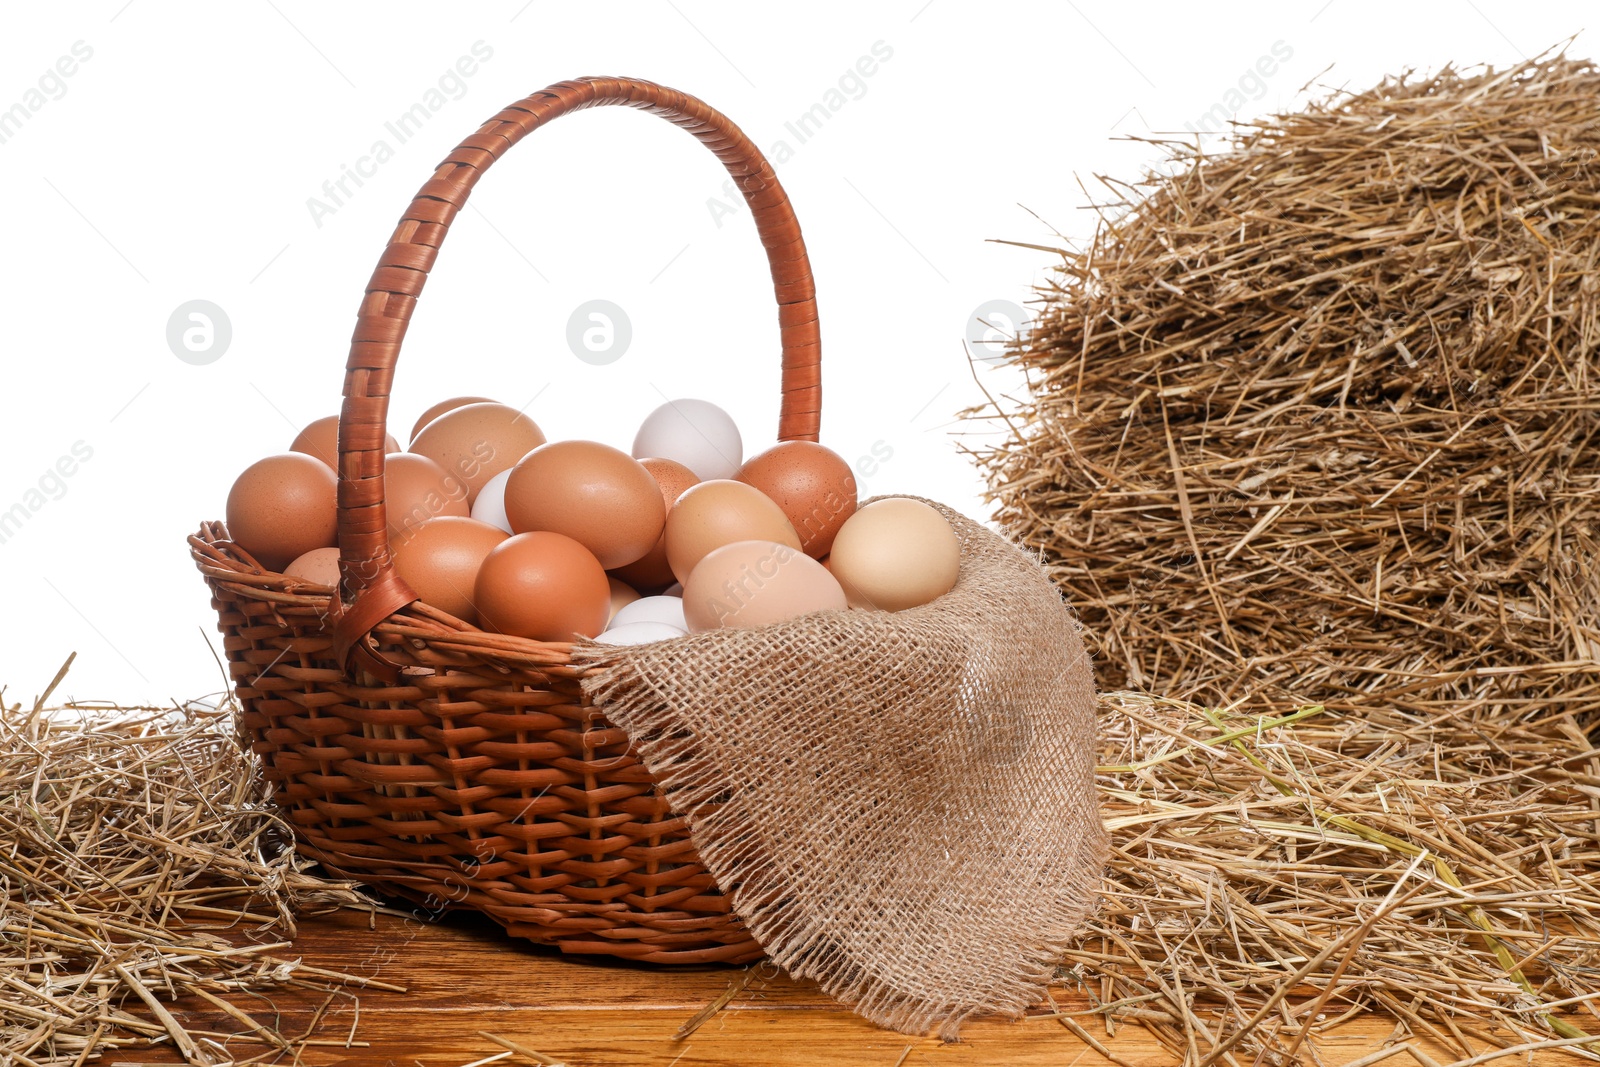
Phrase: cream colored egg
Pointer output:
(895, 554)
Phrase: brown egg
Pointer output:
(813, 485)
(282, 507)
(440, 560)
(475, 442)
(443, 406)
(652, 571)
(320, 566)
(597, 495)
(321, 439)
(543, 586)
(754, 583)
(622, 594)
(894, 554)
(720, 512)
(416, 489)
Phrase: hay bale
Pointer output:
(1315, 418)
(1272, 877)
(142, 861)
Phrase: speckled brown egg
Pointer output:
(812, 484)
(652, 572)
(440, 561)
(321, 439)
(282, 507)
(720, 512)
(416, 489)
(320, 566)
(443, 406)
(543, 586)
(474, 442)
(597, 495)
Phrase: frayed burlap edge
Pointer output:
(939, 852)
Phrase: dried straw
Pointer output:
(140, 862)
(1271, 877)
(1312, 419)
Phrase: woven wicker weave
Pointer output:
(438, 762)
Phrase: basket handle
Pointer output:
(369, 589)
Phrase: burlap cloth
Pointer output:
(901, 805)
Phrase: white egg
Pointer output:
(696, 433)
(639, 633)
(667, 610)
(675, 589)
(490, 507)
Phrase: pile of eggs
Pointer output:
(557, 540)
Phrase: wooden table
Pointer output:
(464, 976)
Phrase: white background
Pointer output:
(178, 161)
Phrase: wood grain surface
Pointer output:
(464, 978)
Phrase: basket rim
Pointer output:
(223, 561)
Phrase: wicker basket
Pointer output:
(437, 762)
